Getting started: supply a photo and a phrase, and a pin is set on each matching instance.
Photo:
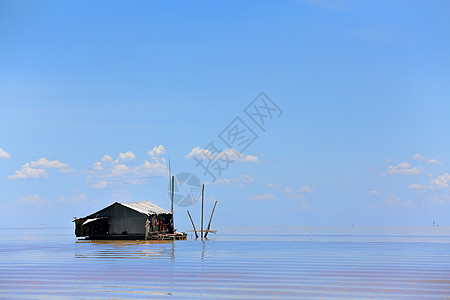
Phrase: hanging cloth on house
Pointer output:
(147, 228)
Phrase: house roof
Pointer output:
(145, 207)
(92, 220)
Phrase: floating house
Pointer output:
(126, 221)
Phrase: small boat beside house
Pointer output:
(128, 221)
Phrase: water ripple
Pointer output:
(54, 265)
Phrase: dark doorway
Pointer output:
(100, 227)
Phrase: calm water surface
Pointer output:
(252, 262)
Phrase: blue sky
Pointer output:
(96, 96)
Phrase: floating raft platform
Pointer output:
(150, 237)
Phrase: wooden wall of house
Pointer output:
(123, 219)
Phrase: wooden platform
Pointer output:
(153, 236)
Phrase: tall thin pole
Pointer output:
(203, 196)
(209, 224)
(170, 177)
(171, 196)
(195, 230)
(171, 206)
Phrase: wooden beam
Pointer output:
(195, 230)
(209, 224)
(203, 196)
(212, 231)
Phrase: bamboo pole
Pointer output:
(172, 187)
(171, 206)
(209, 224)
(203, 196)
(195, 230)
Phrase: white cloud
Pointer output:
(127, 156)
(109, 172)
(157, 151)
(418, 157)
(431, 161)
(374, 192)
(4, 154)
(98, 166)
(155, 157)
(212, 199)
(100, 185)
(394, 201)
(289, 190)
(119, 169)
(297, 196)
(198, 153)
(228, 154)
(403, 168)
(151, 168)
(306, 189)
(239, 157)
(73, 199)
(274, 185)
(403, 165)
(263, 197)
(245, 179)
(37, 169)
(106, 157)
(434, 162)
(29, 173)
(440, 182)
(105, 161)
(32, 199)
(240, 181)
(417, 187)
(67, 170)
(222, 181)
(46, 164)
(304, 206)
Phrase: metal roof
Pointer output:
(92, 220)
(145, 207)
